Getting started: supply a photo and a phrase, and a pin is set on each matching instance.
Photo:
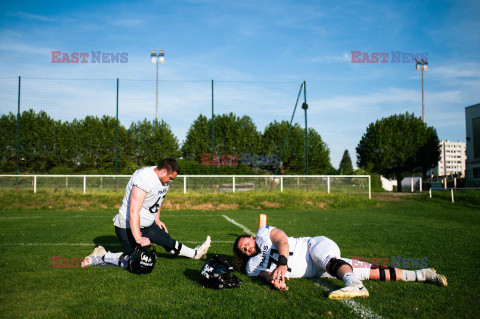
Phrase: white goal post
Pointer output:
(349, 184)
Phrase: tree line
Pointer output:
(89, 145)
(394, 146)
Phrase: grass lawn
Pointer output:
(31, 243)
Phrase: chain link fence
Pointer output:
(119, 105)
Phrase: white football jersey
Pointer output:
(146, 179)
(299, 262)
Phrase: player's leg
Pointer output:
(325, 253)
(158, 236)
(128, 243)
(95, 258)
(390, 273)
(364, 270)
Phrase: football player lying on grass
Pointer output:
(275, 257)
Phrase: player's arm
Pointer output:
(158, 222)
(137, 197)
(279, 284)
(280, 239)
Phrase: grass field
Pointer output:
(31, 285)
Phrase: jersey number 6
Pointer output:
(154, 208)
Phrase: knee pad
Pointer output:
(393, 274)
(334, 264)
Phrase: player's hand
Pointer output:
(161, 225)
(144, 241)
(279, 273)
(280, 284)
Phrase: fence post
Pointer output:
(328, 184)
(281, 184)
(35, 184)
(411, 185)
(452, 196)
(369, 187)
(18, 126)
(185, 184)
(445, 183)
(84, 184)
(454, 182)
(430, 193)
(421, 186)
(234, 183)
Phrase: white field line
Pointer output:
(106, 244)
(89, 216)
(245, 229)
(359, 309)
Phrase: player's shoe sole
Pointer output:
(434, 278)
(349, 292)
(98, 253)
(202, 249)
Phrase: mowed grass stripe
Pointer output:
(109, 244)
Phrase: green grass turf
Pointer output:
(446, 234)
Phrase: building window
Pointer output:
(476, 172)
(476, 137)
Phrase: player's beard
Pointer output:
(257, 250)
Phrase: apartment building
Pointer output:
(452, 160)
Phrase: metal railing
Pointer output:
(349, 184)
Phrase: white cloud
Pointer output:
(333, 58)
(29, 16)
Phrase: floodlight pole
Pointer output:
(156, 97)
(422, 64)
(157, 58)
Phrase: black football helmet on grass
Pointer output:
(216, 274)
(142, 260)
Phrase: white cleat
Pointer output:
(432, 277)
(202, 249)
(94, 258)
(356, 289)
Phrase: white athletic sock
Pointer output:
(349, 278)
(187, 252)
(361, 269)
(412, 275)
(114, 259)
(183, 250)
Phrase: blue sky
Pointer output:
(263, 41)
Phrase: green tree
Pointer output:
(345, 167)
(429, 154)
(95, 141)
(233, 136)
(8, 143)
(152, 141)
(294, 152)
(38, 142)
(391, 146)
